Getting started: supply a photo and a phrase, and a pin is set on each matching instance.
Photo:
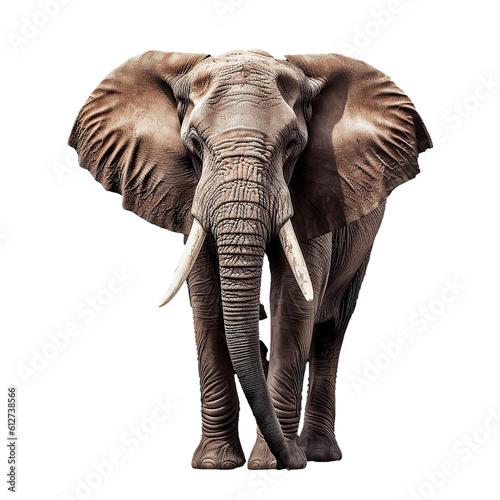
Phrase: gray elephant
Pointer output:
(246, 154)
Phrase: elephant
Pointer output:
(249, 155)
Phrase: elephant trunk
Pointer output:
(241, 240)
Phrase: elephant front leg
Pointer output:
(219, 447)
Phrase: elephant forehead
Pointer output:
(244, 72)
(249, 53)
(246, 57)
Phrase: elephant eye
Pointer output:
(194, 144)
(198, 148)
(294, 144)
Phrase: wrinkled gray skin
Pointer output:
(246, 120)
(240, 132)
(241, 129)
(300, 332)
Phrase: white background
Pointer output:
(63, 236)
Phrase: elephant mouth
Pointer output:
(194, 244)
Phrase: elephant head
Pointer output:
(242, 146)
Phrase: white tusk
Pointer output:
(296, 259)
(191, 250)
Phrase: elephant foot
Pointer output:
(218, 454)
(320, 447)
(262, 458)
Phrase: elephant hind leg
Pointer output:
(317, 438)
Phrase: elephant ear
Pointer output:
(128, 136)
(364, 139)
